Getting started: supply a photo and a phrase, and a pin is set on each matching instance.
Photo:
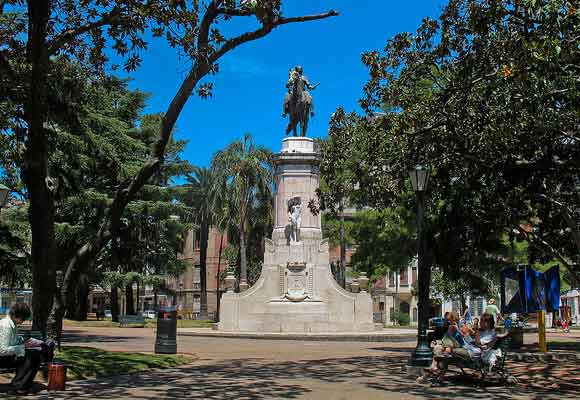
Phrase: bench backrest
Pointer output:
(129, 319)
(30, 333)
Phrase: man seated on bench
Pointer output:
(25, 357)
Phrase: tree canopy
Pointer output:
(36, 37)
(487, 97)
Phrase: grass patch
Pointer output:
(89, 362)
(149, 323)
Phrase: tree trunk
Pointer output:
(203, 243)
(138, 296)
(114, 304)
(342, 248)
(35, 168)
(218, 292)
(77, 308)
(243, 261)
(155, 300)
(129, 300)
(462, 305)
(396, 305)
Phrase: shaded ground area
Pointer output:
(263, 369)
(336, 378)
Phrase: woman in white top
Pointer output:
(485, 339)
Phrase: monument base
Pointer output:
(296, 297)
(296, 291)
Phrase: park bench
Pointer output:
(92, 316)
(26, 334)
(466, 363)
(131, 320)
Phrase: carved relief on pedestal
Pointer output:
(296, 281)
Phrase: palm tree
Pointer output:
(224, 221)
(248, 170)
(203, 191)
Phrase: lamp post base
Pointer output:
(421, 357)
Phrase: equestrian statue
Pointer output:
(298, 102)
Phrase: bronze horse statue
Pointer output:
(298, 103)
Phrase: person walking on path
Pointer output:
(467, 318)
(492, 310)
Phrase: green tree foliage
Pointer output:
(35, 36)
(387, 240)
(204, 188)
(487, 96)
(247, 170)
(331, 230)
(14, 246)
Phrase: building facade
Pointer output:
(394, 294)
(187, 287)
(570, 307)
(183, 292)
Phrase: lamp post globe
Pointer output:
(4, 191)
(422, 355)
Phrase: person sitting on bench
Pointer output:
(485, 339)
(14, 353)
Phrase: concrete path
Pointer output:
(278, 369)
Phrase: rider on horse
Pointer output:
(298, 102)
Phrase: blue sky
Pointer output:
(249, 90)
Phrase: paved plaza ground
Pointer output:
(228, 368)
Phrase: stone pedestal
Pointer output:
(296, 291)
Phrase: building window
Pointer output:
(381, 306)
(391, 279)
(197, 274)
(413, 275)
(456, 306)
(404, 277)
(196, 304)
(476, 305)
(196, 242)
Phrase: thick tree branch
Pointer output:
(263, 31)
(201, 67)
(209, 17)
(306, 18)
(70, 34)
(236, 12)
(567, 215)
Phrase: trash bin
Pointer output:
(517, 337)
(56, 376)
(165, 341)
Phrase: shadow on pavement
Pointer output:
(257, 379)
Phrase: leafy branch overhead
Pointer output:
(39, 37)
(487, 97)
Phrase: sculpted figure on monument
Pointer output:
(298, 102)
(294, 216)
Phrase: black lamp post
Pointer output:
(422, 355)
(4, 191)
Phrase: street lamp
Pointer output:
(4, 191)
(422, 355)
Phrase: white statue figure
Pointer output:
(294, 217)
